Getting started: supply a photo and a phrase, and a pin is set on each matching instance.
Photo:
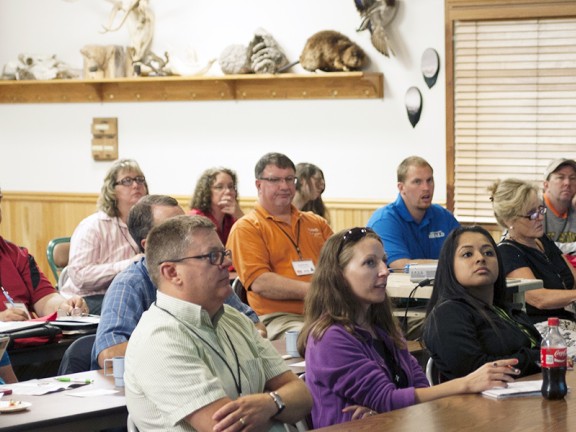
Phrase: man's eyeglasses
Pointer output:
(290, 180)
(215, 257)
(127, 181)
(541, 210)
(353, 235)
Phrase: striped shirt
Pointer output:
(100, 248)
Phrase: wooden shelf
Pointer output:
(336, 85)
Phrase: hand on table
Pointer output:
(75, 305)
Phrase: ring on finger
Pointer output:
(242, 422)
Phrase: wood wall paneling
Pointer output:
(32, 219)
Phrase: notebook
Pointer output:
(14, 326)
(515, 389)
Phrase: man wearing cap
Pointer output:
(559, 190)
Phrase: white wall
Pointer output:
(358, 143)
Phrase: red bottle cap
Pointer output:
(553, 321)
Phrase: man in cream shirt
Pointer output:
(193, 363)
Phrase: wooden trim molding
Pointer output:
(32, 219)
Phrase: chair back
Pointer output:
(57, 253)
(238, 288)
(78, 356)
(130, 425)
(432, 373)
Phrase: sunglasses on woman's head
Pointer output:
(353, 235)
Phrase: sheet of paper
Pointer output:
(37, 387)
(90, 319)
(92, 393)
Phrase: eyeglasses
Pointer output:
(215, 257)
(290, 180)
(220, 187)
(353, 235)
(541, 210)
(127, 181)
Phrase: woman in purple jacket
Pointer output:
(357, 362)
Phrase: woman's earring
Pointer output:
(511, 227)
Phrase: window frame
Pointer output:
(483, 10)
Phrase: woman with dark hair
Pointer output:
(101, 246)
(357, 362)
(469, 321)
(309, 189)
(216, 197)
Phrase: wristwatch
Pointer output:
(278, 401)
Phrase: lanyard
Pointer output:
(502, 314)
(295, 244)
(238, 383)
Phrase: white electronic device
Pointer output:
(419, 272)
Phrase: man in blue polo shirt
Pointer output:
(412, 228)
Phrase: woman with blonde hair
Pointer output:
(528, 253)
(101, 245)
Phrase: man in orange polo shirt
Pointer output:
(559, 190)
(275, 247)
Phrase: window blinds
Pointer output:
(514, 105)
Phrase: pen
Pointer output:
(7, 296)
(74, 380)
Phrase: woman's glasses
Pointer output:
(128, 181)
(541, 210)
(353, 235)
(214, 257)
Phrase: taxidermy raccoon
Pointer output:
(331, 51)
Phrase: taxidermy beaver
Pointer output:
(331, 51)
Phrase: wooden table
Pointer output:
(476, 413)
(59, 412)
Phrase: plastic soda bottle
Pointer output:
(553, 355)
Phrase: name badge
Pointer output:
(304, 267)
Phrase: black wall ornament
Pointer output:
(413, 101)
(430, 66)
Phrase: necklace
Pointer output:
(237, 383)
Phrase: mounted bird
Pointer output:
(376, 16)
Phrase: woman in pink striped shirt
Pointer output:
(101, 245)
